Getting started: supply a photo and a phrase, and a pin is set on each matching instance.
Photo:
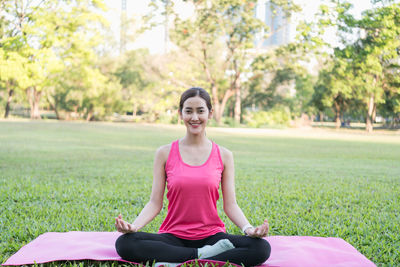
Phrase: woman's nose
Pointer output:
(195, 116)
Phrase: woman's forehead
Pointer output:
(195, 102)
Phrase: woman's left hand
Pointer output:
(123, 226)
(259, 231)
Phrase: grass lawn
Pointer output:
(70, 176)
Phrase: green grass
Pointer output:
(61, 176)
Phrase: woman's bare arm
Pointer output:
(231, 208)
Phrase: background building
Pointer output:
(277, 22)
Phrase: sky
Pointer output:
(154, 39)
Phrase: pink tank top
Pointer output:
(192, 196)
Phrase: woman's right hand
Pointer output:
(124, 227)
(259, 231)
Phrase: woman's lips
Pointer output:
(195, 125)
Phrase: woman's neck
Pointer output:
(195, 140)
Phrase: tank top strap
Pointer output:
(218, 152)
(173, 155)
(216, 157)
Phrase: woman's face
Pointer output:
(195, 114)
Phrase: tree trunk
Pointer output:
(374, 113)
(214, 92)
(54, 107)
(369, 122)
(10, 95)
(89, 116)
(337, 115)
(227, 95)
(57, 113)
(134, 109)
(34, 100)
(238, 102)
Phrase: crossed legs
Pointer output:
(144, 247)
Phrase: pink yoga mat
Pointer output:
(289, 251)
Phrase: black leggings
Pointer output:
(148, 247)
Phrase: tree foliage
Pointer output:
(220, 36)
(364, 70)
(55, 39)
(50, 59)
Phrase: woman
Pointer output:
(193, 167)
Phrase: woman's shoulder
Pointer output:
(163, 151)
(225, 153)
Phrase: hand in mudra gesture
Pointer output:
(259, 231)
(124, 227)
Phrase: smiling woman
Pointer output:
(193, 168)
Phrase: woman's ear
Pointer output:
(180, 113)
(210, 114)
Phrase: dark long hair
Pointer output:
(195, 91)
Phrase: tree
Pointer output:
(375, 57)
(220, 36)
(12, 75)
(280, 77)
(152, 83)
(334, 88)
(366, 65)
(137, 83)
(51, 35)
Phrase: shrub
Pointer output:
(278, 115)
